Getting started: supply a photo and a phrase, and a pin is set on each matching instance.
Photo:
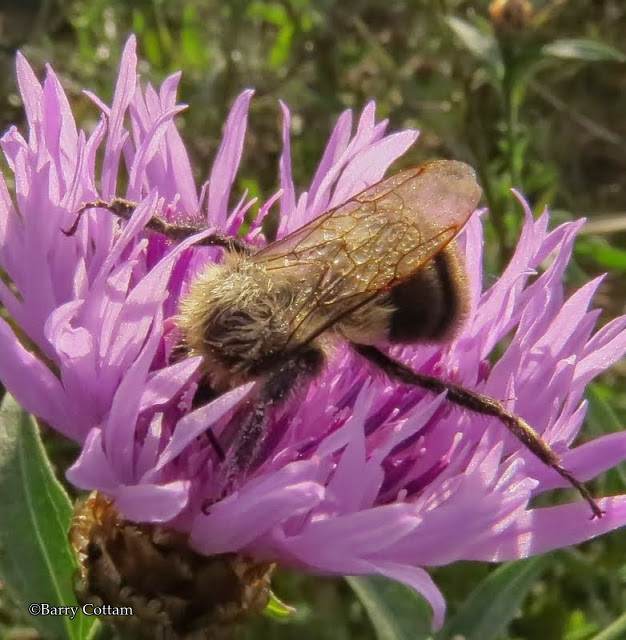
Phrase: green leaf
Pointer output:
(495, 601)
(192, 46)
(578, 627)
(396, 612)
(277, 609)
(36, 561)
(152, 48)
(602, 253)
(615, 631)
(272, 12)
(584, 50)
(601, 419)
(481, 44)
(279, 53)
(98, 631)
(276, 14)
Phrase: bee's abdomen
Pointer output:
(432, 303)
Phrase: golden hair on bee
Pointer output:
(236, 316)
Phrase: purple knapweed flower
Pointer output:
(361, 475)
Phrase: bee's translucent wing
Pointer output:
(381, 237)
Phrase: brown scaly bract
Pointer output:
(174, 593)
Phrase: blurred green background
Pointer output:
(531, 94)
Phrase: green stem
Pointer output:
(100, 631)
(512, 98)
(615, 631)
(477, 136)
(511, 105)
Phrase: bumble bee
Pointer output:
(381, 268)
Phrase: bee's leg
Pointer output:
(215, 444)
(203, 395)
(125, 208)
(480, 404)
(246, 432)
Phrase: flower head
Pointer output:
(360, 475)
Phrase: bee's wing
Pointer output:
(381, 237)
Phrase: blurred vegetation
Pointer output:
(531, 94)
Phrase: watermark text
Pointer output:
(88, 609)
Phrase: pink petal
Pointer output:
(166, 383)
(32, 384)
(259, 506)
(542, 530)
(337, 144)
(198, 421)
(124, 91)
(227, 159)
(92, 470)
(370, 166)
(152, 502)
(288, 198)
